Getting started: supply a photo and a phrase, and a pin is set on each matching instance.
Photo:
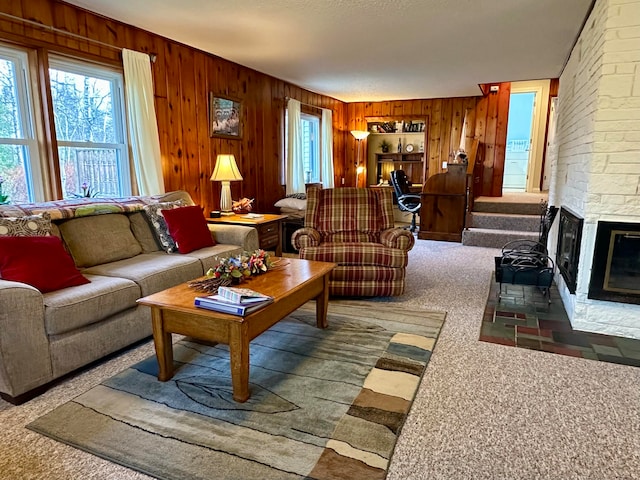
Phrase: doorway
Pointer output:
(529, 104)
(519, 133)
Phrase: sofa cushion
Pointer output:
(73, 308)
(143, 232)
(99, 239)
(41, 262)
(152, 271)
(188, 228)
(372, 254)
(210, 256)
(156, 218)
(27, 226)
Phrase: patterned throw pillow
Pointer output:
(154, 213)
(299, 196)
(28, 226)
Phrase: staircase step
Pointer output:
(486, 237)
(518, 208)
(505, 221)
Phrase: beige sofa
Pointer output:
(45, 336)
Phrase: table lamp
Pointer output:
(225, 171)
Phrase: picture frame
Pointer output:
(225, 116)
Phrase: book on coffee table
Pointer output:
(243, 296)
(220, 304)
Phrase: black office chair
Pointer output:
(407, 201)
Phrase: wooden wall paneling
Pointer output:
(175, 180)
(339, 141)
(435, 165)
(457, 121)
(469, 121)
(12, 7)
(188, 144)
(504, 96)
(38, 12)
(490, 138)
(201, 103)
(89, 26)
(415, 108)
(397, 110)
(64, 18)
(445, 130)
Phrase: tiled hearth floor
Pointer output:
(523, 318)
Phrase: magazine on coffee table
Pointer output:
(220, 304)
(243, 296)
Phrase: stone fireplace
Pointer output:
(595, 173)
(615, 271)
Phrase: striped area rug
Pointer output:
(325, 404)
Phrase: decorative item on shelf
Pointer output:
(226, 171)
(385, 146)
(409, 148)
(399, 145)
(242, 206)
(421, 149)
(233, 270)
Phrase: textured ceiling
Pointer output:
(367, 50)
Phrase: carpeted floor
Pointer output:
(483, 411)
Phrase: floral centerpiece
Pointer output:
(233, 270)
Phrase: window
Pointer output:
(89, 121)
(19, 158)
(311, 148)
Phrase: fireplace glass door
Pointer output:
(616, 264)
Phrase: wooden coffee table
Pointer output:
(292, 283)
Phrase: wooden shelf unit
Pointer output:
(412, 164)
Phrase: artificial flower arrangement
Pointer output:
(234, 270)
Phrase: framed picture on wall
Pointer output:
(225, 117)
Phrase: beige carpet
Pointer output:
(483, 411)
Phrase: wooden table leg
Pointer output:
(239, 356)
(164, 346)
(322, 304)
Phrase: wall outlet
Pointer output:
(342, 180)
(444, 165)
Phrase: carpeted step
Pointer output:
(518, 208)
(484, 237)
(505, 221)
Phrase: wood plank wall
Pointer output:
(184, 76)
(486, 117)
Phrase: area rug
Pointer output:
(325, 404)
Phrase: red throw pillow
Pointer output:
(41, 262)
(188, 228)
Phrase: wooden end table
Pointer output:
(292, 283)
(269, 228)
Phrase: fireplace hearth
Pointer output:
(615, 274)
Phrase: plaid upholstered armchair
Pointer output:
(354, 228)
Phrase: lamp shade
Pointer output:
(360, 134)
(226, 169)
